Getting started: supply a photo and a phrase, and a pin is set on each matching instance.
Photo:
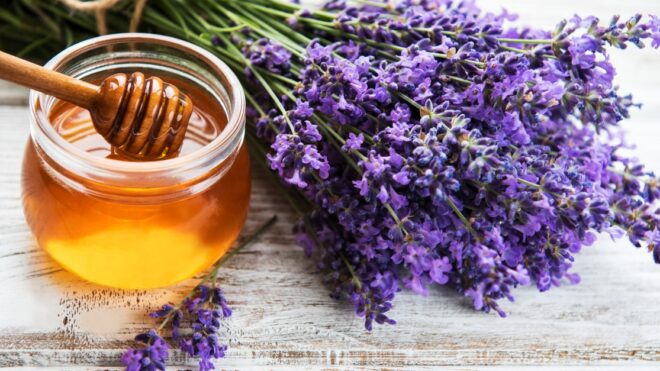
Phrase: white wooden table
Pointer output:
(283, 317)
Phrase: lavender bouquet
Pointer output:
(423, 142)
(432, 144)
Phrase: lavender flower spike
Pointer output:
(152, 356)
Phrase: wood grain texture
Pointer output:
(284, 319)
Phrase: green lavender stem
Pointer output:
(212, 275)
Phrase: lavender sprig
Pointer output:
(193, 323)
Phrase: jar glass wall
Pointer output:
(138, 224)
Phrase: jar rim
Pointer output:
(74, 155)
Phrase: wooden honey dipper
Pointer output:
(143, 117)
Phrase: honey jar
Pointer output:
(138, 224)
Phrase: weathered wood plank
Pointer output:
(283, 316)
(11, 94)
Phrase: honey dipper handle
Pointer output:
(33, 76)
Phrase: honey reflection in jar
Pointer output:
(133, 237)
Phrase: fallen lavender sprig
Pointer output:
(193, 323)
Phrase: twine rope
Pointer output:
(100, 7)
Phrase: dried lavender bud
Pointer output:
(271, 56)
(152, 356)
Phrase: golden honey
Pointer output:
(129, 224)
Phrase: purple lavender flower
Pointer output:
(205, 311)
(194, 326)
(271, 56)
(295, 161)
(151, 356)
(654, 27)
(353, 142)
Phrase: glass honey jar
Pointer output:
(138, 224)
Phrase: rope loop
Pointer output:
(100, 7)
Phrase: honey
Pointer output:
(118, 226)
